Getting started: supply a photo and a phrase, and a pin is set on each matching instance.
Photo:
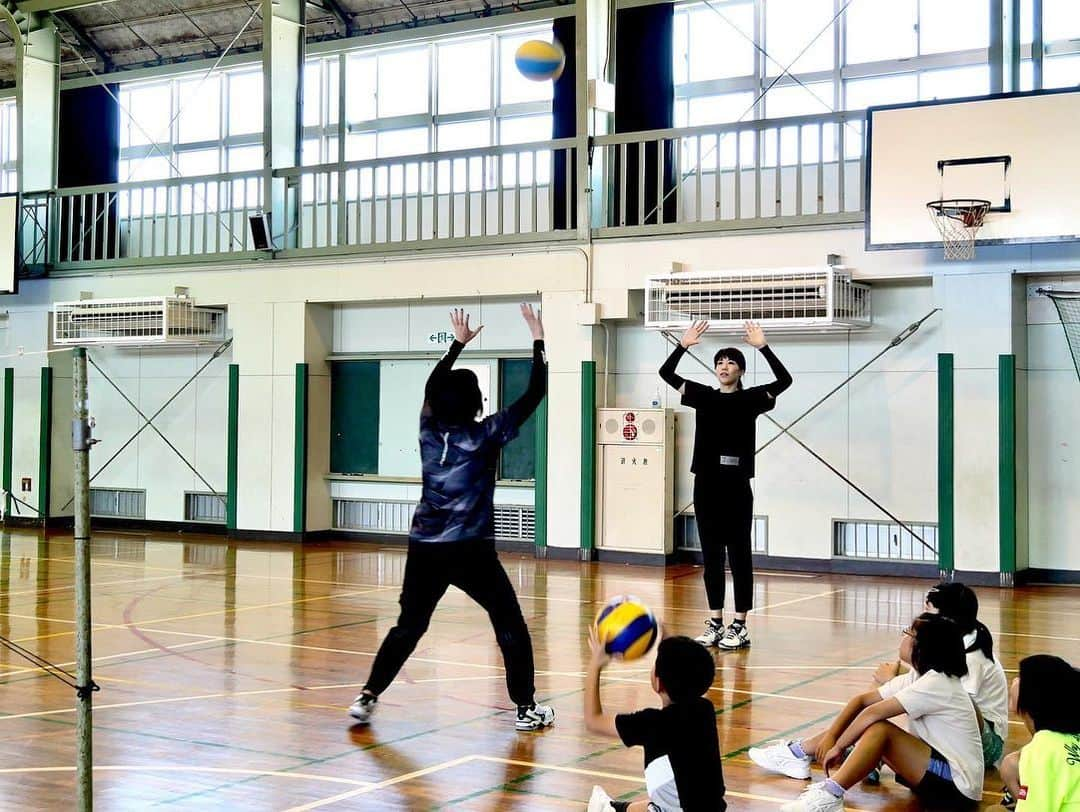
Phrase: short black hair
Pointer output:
(938, 645)
(732, 354)
(684, 667)
(1048, 690)
(455, 399)
(961, 605)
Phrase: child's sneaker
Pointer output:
(599, 801)
(777, 757)
(1007, 799)
(735, 637)
(815, 799)
(713, 632)
(362, 708)
(534, 717)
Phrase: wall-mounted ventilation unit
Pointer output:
(879, 540)
(792, 300)
(394, 517)
(118, 503)
(161, 320)
(204, 507)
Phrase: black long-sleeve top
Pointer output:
(458, 462)
(725, 437)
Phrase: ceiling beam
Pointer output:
(31, 6)
(84, 39)
(334, 8)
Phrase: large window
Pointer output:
(1059, 59)
(816, 57)
(197, 125)
(9, 147)
(450, 94)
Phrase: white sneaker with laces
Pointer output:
(534, 717)
(713, 632)
(599, 801)
(362, 708)
(737, 636)
(777, 757)
(815, 799)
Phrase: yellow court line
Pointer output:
(142, 702)
(95, 586)
(173, 768)
(759, 609)
(896, 627)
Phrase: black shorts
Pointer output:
(936, 791)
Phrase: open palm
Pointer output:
(459, 320)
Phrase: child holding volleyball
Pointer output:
(723, 465)
(682, 749)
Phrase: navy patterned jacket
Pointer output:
(458, 462)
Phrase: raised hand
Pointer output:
(536, 327)
(459, 320)
(693, 334)
(600, 657)
(755, 336)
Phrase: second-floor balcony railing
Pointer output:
(758, 174)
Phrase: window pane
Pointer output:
(245, 103)
(719, 109)
(402, 142)
(1061, 20)
(309, 152)
(403, 82)
(681, 46)
(860, 93)
(877, 31)
(148, 114)
(313, 95)
(513, 87)
(721, 46)
(953, 25)
(464, 135)
(200, 110)
(152, 168)
(241, 159)
(1061, 71)
(954, 83)
(1027, 75)
(360, 74)
(198, 162)
(799, 100)
(1027, 17)
(525, 129)
(790, 27)
(465, 76)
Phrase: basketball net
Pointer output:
(1067, 303)
(958, 221)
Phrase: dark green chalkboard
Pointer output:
(519, 456)
(354, 417)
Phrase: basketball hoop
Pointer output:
(958, 220)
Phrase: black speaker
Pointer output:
(260, 232)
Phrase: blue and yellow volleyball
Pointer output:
(626, 627)
(538, 60)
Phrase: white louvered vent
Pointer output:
(119, 503)
(884, 541)
(512, 522)
(787, 300)
(167, 320)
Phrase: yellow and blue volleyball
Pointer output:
(538, 60)
(626, 627)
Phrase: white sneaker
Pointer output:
(599, 801)
(777, 757)
(534, 717)
(362, 708)
(737, 636)
(713, 632)
(815, 799)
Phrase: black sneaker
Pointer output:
(713, 632)
(1007, 800)
(534, 717)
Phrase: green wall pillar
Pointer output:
(1007, 469)
(45, 443)
(300, 450)
(946, 515)
(231, 446)
(588, 459)
(9, 433)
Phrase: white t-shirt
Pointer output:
(941, 714)
(987, 685)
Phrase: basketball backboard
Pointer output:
(1016, 150)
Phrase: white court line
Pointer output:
(173, 768)
(759, 609)
(896, 627)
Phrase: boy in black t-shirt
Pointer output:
(682, 750)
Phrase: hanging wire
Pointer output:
(51, 669)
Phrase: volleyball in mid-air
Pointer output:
(626, 627)
(539, 61)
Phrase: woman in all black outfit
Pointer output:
(723, 465)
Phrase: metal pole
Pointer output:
(80, 443)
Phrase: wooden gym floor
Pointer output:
(226, 669)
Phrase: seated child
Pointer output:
(1044, 775)
(682, 749)
(940, 759)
